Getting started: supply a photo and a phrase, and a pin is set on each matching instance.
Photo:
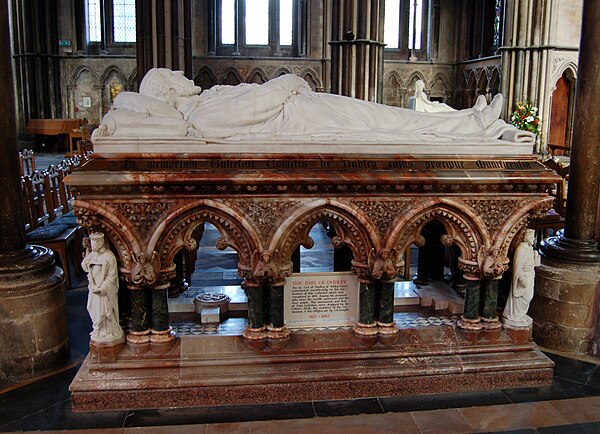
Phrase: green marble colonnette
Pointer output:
(160, 310)
(490, 299)
(386, 302)
(472, 297)
(367, 303)
(276, 306)
(139, 309)
(256, 305)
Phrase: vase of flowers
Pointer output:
(526, 118)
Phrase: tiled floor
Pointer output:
(570, 405)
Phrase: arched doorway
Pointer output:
(561, 117)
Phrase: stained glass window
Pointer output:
(392, 23)
(286, 20)
(94, 25)
(124, 20)
(497, 20)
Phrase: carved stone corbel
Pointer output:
(492, 262)
(386, 264)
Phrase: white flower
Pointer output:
(529, 118)
(534, 109)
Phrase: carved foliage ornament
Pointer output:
(142, 215)
(495, 212)
(266, 214)
(383, 213)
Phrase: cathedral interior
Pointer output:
(64, 62)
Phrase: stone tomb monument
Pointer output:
(264, 189)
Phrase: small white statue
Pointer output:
(523, 278)
(103, 303)
(421, 102)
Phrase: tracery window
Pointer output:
(485, 25)
(258, 27)
(405, 27)
(110, 25)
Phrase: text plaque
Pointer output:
(321, 299)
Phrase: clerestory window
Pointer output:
(110, 25)
(258, 27)
(405, 28)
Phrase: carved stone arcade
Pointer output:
(264, 206)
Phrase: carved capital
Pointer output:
(470, 269)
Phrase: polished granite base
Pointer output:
(325, 365)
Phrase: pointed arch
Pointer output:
(79, 71)
(175, 232)
(231, 76)
(257, 75)
(352, 226)
(461, 223)
(205, 78)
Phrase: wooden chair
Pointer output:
(85, 146)
(555, 218)
(27, 160)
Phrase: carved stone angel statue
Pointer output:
(103, 306)
(523, 279)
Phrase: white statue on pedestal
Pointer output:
(285, 109)
(421, 103)
(523, 279)
(103, 303)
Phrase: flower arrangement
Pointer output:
(526, 118)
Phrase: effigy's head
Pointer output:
(167, 85)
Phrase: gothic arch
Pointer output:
(103, 219)
(519, 220)
(231, 76)
(205, 78)
(281, 71)
(460, 222)
(569, 67)
(257, 75)
(80, 70)
(175, 232)
(311, 78)
(352, 226)
(132, 84)
(390, 77)
(109, 70)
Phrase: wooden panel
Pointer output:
(559, 115)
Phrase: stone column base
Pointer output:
(255, 333)
(135, 338)
(365, 329)
(162, 336)
(34, 337)
(277, 332)
(563, 306)
(469, 324)
(387, 328)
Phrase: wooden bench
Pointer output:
(49, 220)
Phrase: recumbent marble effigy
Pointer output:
(264, 164)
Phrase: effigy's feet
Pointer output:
(480, 103)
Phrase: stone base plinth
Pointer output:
(34, 337)
(106, 353)
(519, 334)
(563, 306)
(218, 370)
